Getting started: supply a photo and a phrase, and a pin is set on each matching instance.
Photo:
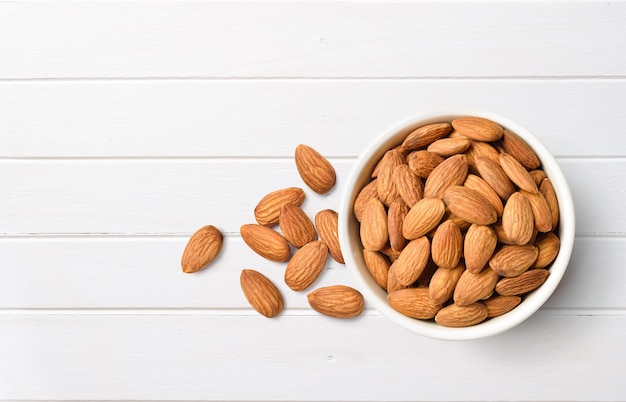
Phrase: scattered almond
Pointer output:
(267, 211)
(326, 222)
(296, 226)
(202, 248)
(261, 293)
(315, 170)
(337, 301)
(266, 242)
(305, 265)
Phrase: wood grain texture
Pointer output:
(269, 117)
(141, 358)
(144, 273)
(311, 39)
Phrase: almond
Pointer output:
(517, 173)
(518, 221)
(450, 172)
(456, 316)
(449, 146)
(306, 265)
(425, 135)
(541, 211)
(510, 261)
(463, 225)
(423, 217)
(473, 287)
(296, 225)
(387, 192)
(266, 242)
(548, 245)
(443, 282)
(498, 305)
(547, 190)
(481, 149)
(478, 128)
(202, 248)
(492, 173)
(475, 183)
(423, 162)
(378, 266)
(337, 301)
(370, 190)
(261, 293)
(446, 246)
(395, 221)
(538, 176)
(520, 150)
(267, 211)
(408, 185)
(524, 283)
(480, 243)
(314, 169)
(412, 261)
(392, 280)
(469, 205)
(374, 232)
(414, 303)
(326, 222)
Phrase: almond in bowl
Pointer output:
(470, 216)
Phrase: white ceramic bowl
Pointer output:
(352, 248)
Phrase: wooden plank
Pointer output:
(144, 273)
(237, 358)
(310, 39)
(270, 117)
(174, 196)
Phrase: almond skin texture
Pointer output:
(547, 190)
(261, 293)
(517, 173)
(541, 211)
(479, 244)
(387, 191)
(498, 305)
(296, 226)
(447, 244)
(443, 282)
(392, 280)
(414, 303)
(548, 245)
(395, 221)
(521, 151)
(449, 146)
(477, 184)
(326, 222)
(202, 248)
(478, 128)
(518, 221)
(314, 169)
(423, 217)
(378, 266)
(337, 301)
(473, 287)
(538, 176)
(423, 162)
(370, 190)
(455, 316)
(425, 135)
(306, 265)
(492, 173)
(510, 261)
(267, 211)
(470, 205)
(481, 149)
(524, 283)
(266, 242)
(450, 172)
(374, 231)
(408, 185)
(412, 261)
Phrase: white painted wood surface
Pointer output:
(127, 125)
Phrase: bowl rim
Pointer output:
(376, 296)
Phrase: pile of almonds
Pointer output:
(282, 208)
(459, 222)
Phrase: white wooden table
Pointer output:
(125, 126)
